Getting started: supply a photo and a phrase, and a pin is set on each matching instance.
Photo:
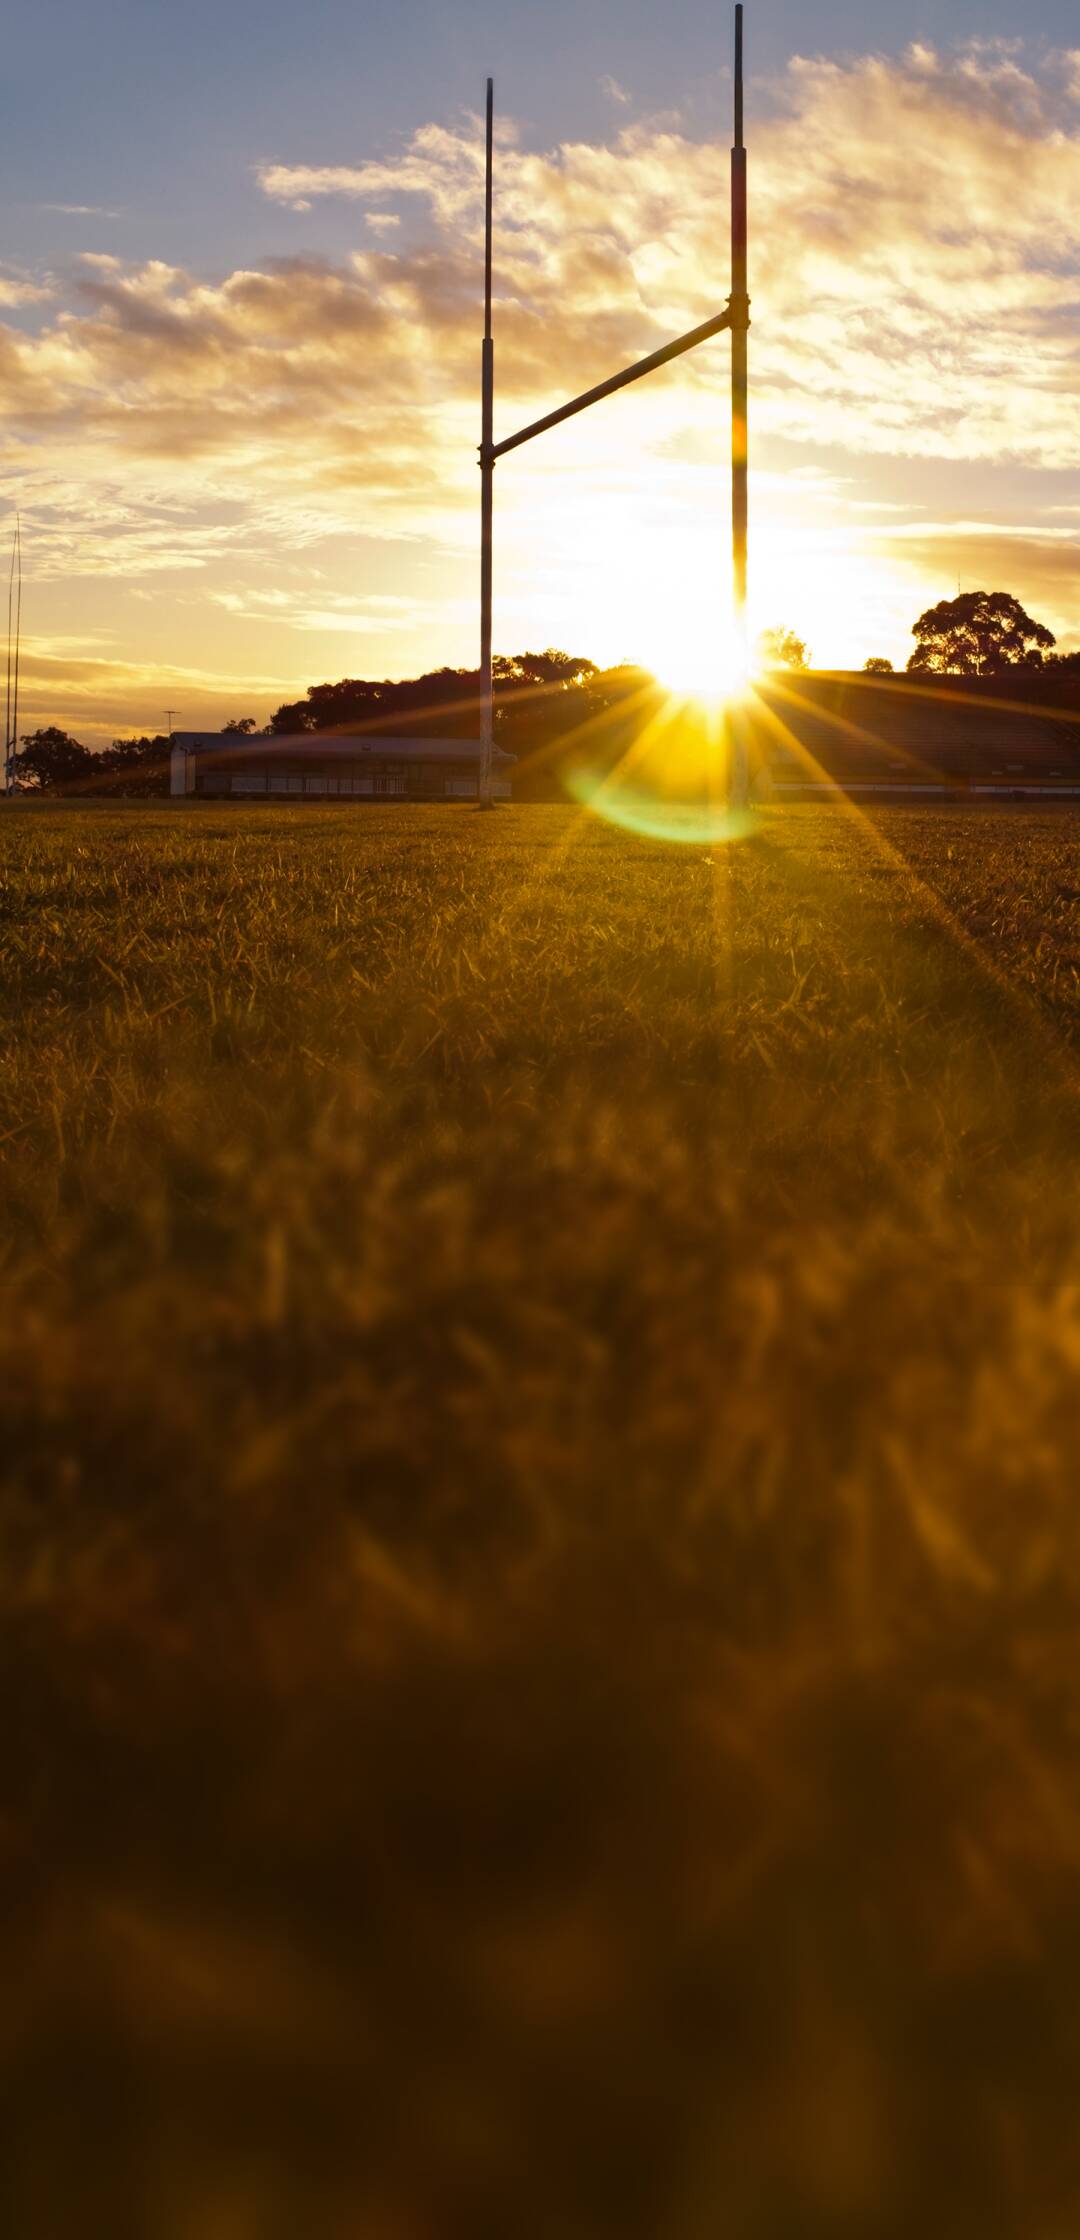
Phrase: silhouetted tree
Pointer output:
(50, 760)
(978, 634)
(134, 766)
(781, 649)
(878, 666)
(443, 701)
(241, 725)
(552, 667)
(1068, 662)
(293, 715)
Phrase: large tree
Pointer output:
(51, 761)
(978, 634)
(782, 649)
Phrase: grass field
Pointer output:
(541, 1578)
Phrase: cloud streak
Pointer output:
(80, 209)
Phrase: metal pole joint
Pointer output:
(739, 313)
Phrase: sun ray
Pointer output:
(1066, 1061)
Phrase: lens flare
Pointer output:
(673, 780)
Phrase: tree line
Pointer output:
(539, 697)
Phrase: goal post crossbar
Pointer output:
(656, 358)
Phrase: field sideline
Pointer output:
(542, 1568)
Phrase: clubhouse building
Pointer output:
(306, 765)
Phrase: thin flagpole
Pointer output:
(487, 474)
(18, 639)
(7, 694)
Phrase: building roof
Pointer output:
(330, 745)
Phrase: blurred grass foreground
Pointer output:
(541, 1554)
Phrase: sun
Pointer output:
(699, 658)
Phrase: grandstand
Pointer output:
(917, 736)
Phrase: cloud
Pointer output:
(80, 209)
(919, 293)
(915, 258)
(98, 697)
(338, 612)
(989, 556)
(444, 167)
(14, 292)
(614, 91)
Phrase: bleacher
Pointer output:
(869, 734)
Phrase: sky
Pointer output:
(239, 354)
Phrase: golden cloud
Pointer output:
(14, 292)
(916, 259)
(915, 233)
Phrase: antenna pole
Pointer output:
(11, 698)
(7, 694)
(740, 321)
(487, 477)
(18, 642)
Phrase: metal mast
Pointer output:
(7, 693)
(740, 321)
(739, 307)
(11, 708)
(487, 477)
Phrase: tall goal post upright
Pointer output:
(740, 321)
(739, 306)
(736, 319)
(487, 473)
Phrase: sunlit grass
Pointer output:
(540, 1570)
